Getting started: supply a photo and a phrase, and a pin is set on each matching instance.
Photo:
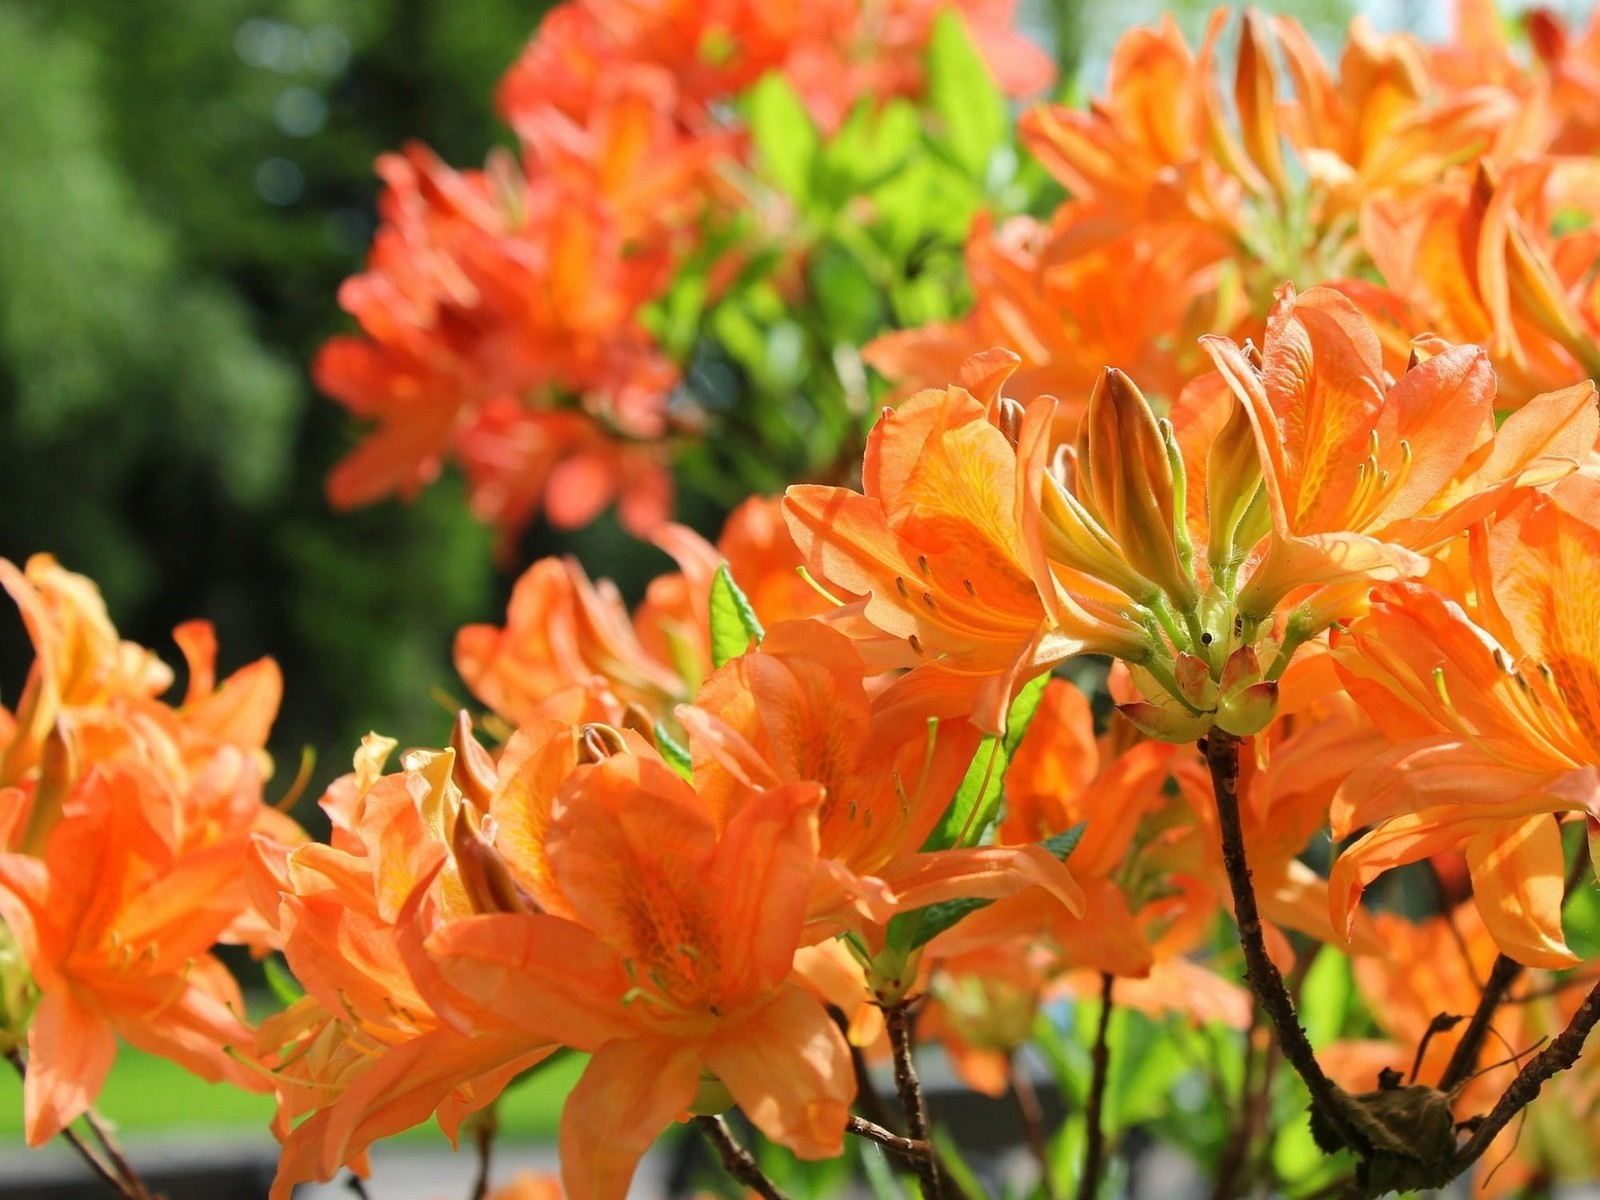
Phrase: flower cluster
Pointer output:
(506, 312)
(128, 826)
(1183, 608)
(1446, 189)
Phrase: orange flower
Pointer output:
(670, 963)
(367, 1053)
(563, 630)
(1143, 151)
(1359, 475)
(97, 691)
(941, 546)
(487, 291)
(1480, 259)
(1496, 718)
(797, 709)
(1070, 297)
(116, 917)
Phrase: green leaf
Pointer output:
(1326, 996)
(964, 95)
(977, 800)
(1063, 844)
(674, 752)
(733, 622)
(1023, 709)
(785, 139)
(284, 985)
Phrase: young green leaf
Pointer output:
(964, 95)
(785, 139)
(674, 752)
(977, 800)
(284, 986)
(733, 622)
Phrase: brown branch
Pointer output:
(104, 1171)
(1266, 981)
(736, 1160)
(485, 1124)
(1094, 1121)
(911, 1100)
(868, 1099)
(872, 1131)
(1237, 1151)
(1032, 1115)
(1560, 1054)
(1464, 1058)
(119, 1161)
(1504, 973)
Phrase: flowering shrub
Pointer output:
(1229, 549)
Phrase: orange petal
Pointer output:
(789, 1068)
(70, 1048)
(631, 1091)
(1518, 880)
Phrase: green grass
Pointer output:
(146, 1094)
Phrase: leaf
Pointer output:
(964, 95)
(1326, 995)
(674, 752)
(284, 985)
(785, 138)
(733, 622)
(977, 800)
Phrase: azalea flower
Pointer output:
(1492, 713)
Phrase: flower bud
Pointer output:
(1248, 710)
(1165, 724)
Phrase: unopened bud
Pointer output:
(1249, 710)
(1165, 724)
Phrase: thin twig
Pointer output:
(485, 1124)
(103, 1170)
(868, 1098)
(738, 1161)
(1464, 1057)
(1560, 1054)
(1266, 981)
(911, 1100)
(119, 1161)
(872, 1131)
(1031, 1113)
(1094, 1153)
(1237, 1150)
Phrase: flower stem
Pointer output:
(1032, 1114)
(873, 1132)
(485, 1124)
(118, 1175)
(1560, 1054)
(1095, 1135)
(911, 1100)
(738, 1162)
(1266, 981)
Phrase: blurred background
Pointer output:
(183, 186)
